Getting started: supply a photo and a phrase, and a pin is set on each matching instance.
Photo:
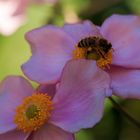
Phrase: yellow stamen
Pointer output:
(79, 53)
(103, 62)
(34, 111)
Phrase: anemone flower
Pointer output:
(114, 46)
(9, 22)
(12, 14)
(77, 103)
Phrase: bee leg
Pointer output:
(101, 53)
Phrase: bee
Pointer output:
(97, 45)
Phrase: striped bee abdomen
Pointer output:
(95, 43)
(87, 42)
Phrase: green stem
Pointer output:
(123, 111)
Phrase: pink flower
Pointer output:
(78, 103)
(12, 14)
(117, 46)
(9, 21)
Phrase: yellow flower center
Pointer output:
(94, 48)
(34, 111)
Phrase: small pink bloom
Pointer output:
(52, 47)
(9, 22)
(12, 14)
(78, 103)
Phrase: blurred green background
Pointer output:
(14, 51)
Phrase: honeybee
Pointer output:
(97, 45)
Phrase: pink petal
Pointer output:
(51, 132)
(125, 82)
(12, 90)
(124, 34)
(21, 7)
(14, 135)
(78, 103)
(50, 89)
(51, 48)
(81, 30)
(9, 22)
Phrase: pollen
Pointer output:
(104, 62)
(79, 53)
(33, 112)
